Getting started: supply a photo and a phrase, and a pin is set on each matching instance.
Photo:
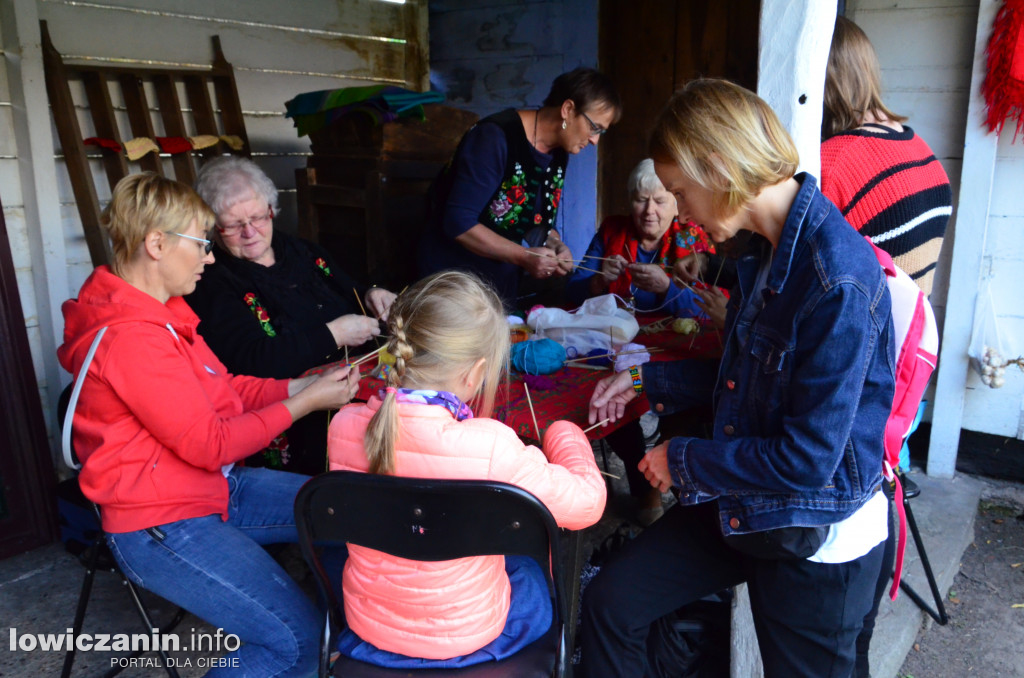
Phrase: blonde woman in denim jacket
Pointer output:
(785, 496)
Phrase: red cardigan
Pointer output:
(159, 415)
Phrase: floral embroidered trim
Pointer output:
(506, 208)
(276, 454)
(322, 265)
(257, 309)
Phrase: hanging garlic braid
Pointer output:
(438, 328)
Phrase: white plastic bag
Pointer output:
(987, 350)
(598, 324)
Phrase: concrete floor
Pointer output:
(39, 591)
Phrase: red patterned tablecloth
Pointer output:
(573, 386)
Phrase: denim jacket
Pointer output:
(801, 404)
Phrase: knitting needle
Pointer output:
(720, 267)
(611, 355)
(570, 261)
(367, 356)
(600, 423)
(346, 354)
(359, 301)
(610, 475)
(532, 413)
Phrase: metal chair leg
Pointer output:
(83, 603)
(939, 612)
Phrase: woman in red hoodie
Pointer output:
(161, 422)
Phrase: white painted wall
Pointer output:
(927, 50)
(278, 49)
(792, 56)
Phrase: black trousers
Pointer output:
(806, 615)
(881, 588)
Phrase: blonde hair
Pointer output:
(726, 139)
(146, 202)
(853, 81)
(439, 328)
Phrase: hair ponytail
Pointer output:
(382, 435)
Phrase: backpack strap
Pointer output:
(69, 415)
(901, 538)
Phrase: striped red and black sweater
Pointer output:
(890, 186)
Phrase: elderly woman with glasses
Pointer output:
(504, 185)
(161, 422)
(273, 305)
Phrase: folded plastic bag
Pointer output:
(598, 324)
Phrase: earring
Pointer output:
(564, 125)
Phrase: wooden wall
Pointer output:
(926, 49)
(278, 49)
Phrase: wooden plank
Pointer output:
(198, 92)
(975, 195)
(139, 118)
(70, 136)
(174, 125)
(368, 18)
(621, 28)
(160, 41)
(308, 226)
(98, 92)
(417, 49)
(223, 77)
(338, 196)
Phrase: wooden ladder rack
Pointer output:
(97, 81)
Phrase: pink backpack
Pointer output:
(917, 348)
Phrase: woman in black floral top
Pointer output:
(504, 186)
(272, 305)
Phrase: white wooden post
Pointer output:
(969, 230)
(791, 61)
(38, 174)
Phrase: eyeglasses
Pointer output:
(256, 222)
(207, 244)
(594, 129)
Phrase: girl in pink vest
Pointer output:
(450, 340)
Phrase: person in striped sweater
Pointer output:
(884, 178)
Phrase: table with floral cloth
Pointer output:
(571, 387)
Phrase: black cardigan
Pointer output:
(300, 294)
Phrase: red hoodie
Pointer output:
(158, 414)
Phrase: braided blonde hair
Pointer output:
(439, 328)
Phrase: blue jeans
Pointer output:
(220, 572)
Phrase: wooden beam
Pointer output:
(138, 117)
(70, 135)
(174, 125)
(227, 97)
(970, 229)
(98, 93)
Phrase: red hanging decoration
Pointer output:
(1003, 88)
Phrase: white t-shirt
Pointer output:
(851, 538)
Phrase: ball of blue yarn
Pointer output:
(538, 356)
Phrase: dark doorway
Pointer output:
(648, 49)
(27, 480)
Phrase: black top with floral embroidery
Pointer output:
(529, 194)
(498, 179)
(271, 321)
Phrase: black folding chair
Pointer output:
(432, 520)
(911, 490)
(97, 556)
